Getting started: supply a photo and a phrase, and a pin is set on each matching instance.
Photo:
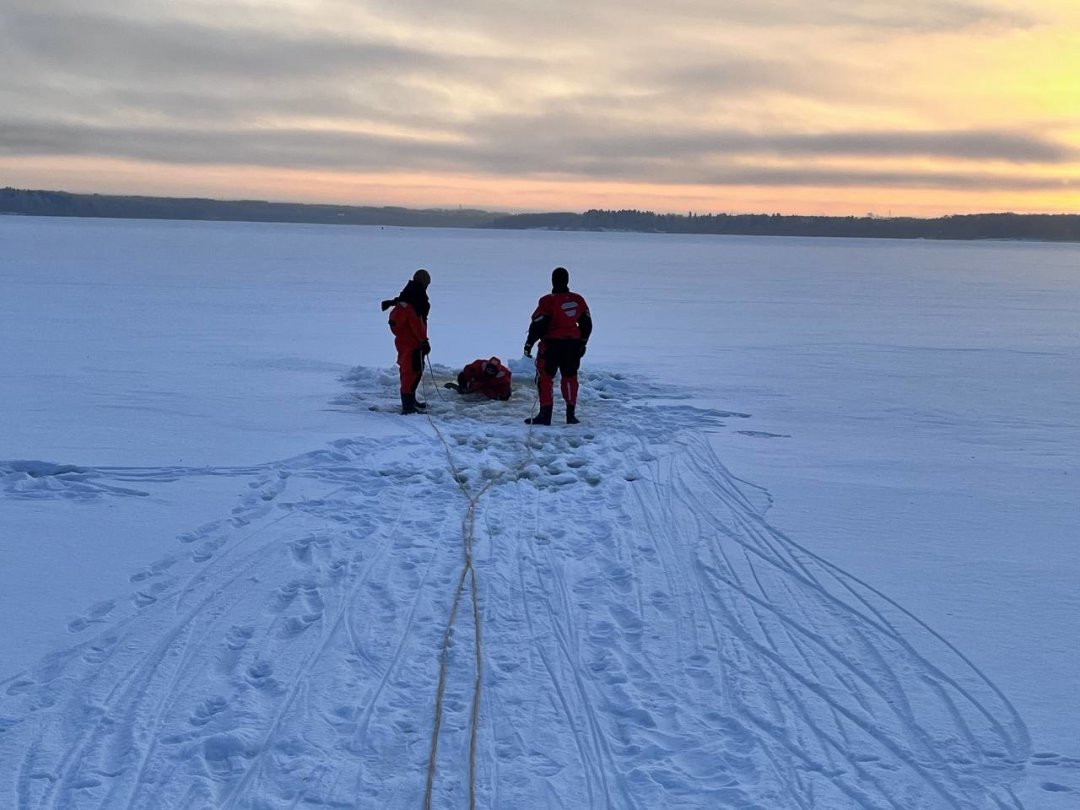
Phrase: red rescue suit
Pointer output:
(488, 377)
(562, 324)
(410, 340)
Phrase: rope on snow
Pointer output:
(468, 572)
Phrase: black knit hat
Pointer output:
(560, 277)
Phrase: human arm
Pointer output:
(538, 326)
(585, 325)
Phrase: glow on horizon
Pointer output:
(950, 106)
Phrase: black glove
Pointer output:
(581, 352)
(528, 350)
(425, 348)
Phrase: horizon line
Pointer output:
(529, 212)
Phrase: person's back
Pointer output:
(563, 311)
(562, 324)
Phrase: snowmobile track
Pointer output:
(642, 637)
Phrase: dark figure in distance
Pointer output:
(562, 324)
(408, 322)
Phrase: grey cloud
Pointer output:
(914, 15)
(222, 105)
(967, 145)
(576, 132)
(107, 69)
(348, 151)
(113, 67)
(140, 81)
(133, 60)
(978, 145)
(154, 42)
(731, 77)
(95, 46)
(105, 47)
(278, 148)
(559, 15)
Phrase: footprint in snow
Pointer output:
(94, 615)
(1054, 787)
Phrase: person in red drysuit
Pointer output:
(562, 324)
(408, 322)
(488, 377)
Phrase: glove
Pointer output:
(581, 353)
(425, 348)
(528, 350)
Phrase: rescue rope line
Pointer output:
(431, 374)
(468, 573)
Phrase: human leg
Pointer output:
(546, 366)
(418, 369)
(569, 362)
(409, 369)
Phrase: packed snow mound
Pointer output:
(645, 638)
(46, 480)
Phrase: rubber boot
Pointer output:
(542, 418)
(408, 403)
(417, 404)
(571, 418)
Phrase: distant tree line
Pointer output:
(1044, 227)
(64, 204)
(1048, 227)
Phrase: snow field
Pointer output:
(647, 639)
(230, 566)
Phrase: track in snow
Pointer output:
(648, 639)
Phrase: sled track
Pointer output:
(641, 638)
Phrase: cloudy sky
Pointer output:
(915, 107)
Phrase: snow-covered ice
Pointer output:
(813, 546)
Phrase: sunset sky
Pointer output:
(902, 107)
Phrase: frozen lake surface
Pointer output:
(815, 543)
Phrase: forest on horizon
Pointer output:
(1040, 227)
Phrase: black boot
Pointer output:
(408, 403)
(417, 404)
(542, 418)
(571, 419)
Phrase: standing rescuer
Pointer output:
(408, 322)
(562, 324)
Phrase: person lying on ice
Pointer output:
(562, 324)
(408, 323)
(488, 377)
